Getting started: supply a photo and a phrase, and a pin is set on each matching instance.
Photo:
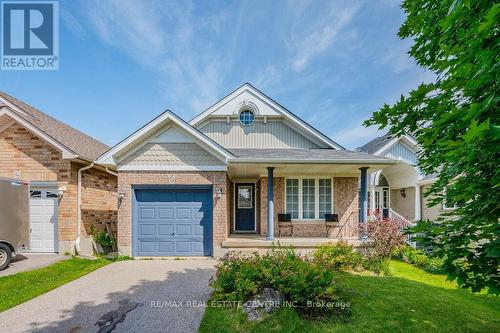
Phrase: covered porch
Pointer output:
(300, 202)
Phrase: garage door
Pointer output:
(173, 222)
(43, 220)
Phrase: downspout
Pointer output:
(79, 206)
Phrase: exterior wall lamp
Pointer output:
(61, 190)
(220, 191)
(403, 192)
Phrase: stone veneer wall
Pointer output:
(126, 179)
(345, 198)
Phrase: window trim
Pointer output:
(316, 196)
(443, 204)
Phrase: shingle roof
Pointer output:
(305, 154)
(377, 143)
(81, 144)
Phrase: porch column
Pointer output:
(363, 217)
(372, 199)
(270, 204)
(418, 210)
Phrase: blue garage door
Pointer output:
(173, 222)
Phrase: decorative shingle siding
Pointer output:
(273, 134)
(126, 179)
(170, 154)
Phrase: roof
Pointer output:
(311, 155)
(276, 106)
(377, 143)
(79, 143)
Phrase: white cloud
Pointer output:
(318, 38)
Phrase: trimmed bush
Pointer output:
(385, 235)
(304, 284)
(418, 259)
(338, 256)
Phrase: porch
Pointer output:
(257, 242)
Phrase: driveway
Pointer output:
(28, 261)
(127, 296)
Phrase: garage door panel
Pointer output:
(43, 224)
(147, 229)
(166, 213)
(147, 213)
(165, 229)
(182, 222)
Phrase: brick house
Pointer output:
(238, 174)
(49, 154)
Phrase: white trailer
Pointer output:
(14, 219)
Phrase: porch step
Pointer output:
(296, 242)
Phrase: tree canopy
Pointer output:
(456, 121)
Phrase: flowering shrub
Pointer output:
(304, 284)
(385, 234)
(338, 256)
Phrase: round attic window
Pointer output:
(247, 117)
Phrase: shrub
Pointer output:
(101, 237)
(418, 259)
(385, 234)
(338, 256)
(376, 264)
(303, 283)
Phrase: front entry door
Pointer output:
(382, 201)
(244, 203)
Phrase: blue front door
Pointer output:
(244, 208)
(173, 222)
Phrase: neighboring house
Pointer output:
(398, 190)
(220, 181)
(48, 154)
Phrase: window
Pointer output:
(446, 203)
(247, 118)
(245, 197)
(292, 197)
(308, 198)
(35, 194)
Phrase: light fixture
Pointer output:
(403, 192)
(220, 191)
(61, 190)
(121, 196)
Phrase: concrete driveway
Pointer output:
(28, 261)
(128, 296)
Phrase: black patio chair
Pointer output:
(285, 221)
(332, 221)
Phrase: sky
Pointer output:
(124, 62)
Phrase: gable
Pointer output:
(262, 134)
(266, 111)
(401, 151)
(166, 143)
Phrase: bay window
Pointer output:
(308, 198)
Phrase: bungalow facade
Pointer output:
(244, 173)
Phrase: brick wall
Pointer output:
(345, 197)
(25, 156)
(128, 178)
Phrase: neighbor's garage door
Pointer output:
(173, 222)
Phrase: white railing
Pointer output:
(403, 223)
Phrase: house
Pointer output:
(397, 191)
(219, 181)
(68, 193)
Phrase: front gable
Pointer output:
(274, 126)
(402, 148)
(166, 143)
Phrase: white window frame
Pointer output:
(316, 196)
(443, 205)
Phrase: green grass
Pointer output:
(410, 300)
(21, 287)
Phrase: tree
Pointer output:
(456, 121)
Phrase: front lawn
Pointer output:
(21, 287)
(410, 300)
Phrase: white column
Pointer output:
(418, 209)
(372, 199)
